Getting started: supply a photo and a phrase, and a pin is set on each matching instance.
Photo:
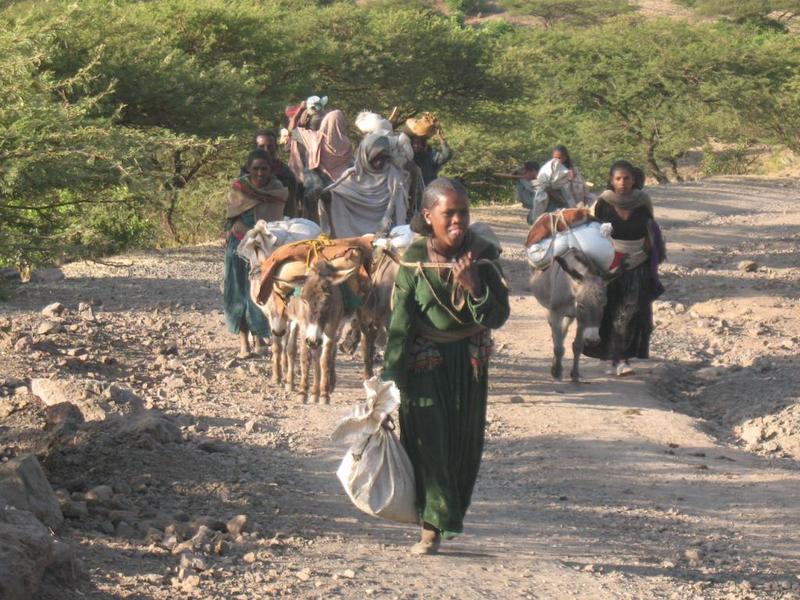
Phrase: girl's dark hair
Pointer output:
(255, 155)
(567, 162)
(434, 192)
(264, 133)
(530, 165)
(623, 165)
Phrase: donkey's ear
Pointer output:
(568, 269)
(342, 275)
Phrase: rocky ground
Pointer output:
(181, 473)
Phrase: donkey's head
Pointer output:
(322, 301)
(588, 285)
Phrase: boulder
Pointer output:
(53, 310)
(24, 486)
(23, 344)
(25, 553)
(150, 424)
(48, 327)
(56, 391)
(95, 399)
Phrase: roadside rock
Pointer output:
(151, 425)
(77, 392)
(101, 494)
(747, 266)
(85, 312)
(23, 344)
(24, 486)
(24, 554)
(53, 310)
(62, 416)
(236, 525)
(48, 327)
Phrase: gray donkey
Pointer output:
(571, 289)
(316, 317)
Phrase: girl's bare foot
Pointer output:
(244, 344)
(260, 346)
(429, 541)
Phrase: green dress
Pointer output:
(236, 289)
(444, 384)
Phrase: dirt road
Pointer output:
(649, 487)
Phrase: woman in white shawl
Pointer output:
(374, 197)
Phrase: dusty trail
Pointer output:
(606, 489)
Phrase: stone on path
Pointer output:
(150, 424)
(24, 553)
(53, 310)
(747, 266)
(24, 486)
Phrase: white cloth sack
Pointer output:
(399, 238)
(370, 122)
(260, 242)
(376, 472)
(593, 239)
(552, 176)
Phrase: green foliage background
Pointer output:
(121, 122)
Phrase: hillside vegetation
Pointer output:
(121, 122)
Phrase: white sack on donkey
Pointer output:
(260, 242)
(593, 239)
(376, 472)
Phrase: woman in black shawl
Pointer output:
(628, 317)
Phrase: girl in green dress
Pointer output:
(256, 195)
(448, 294)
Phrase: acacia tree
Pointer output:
(59, 159)
(648, 92)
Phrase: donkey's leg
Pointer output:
(327, 362)
(316, 360)
(278, 343)
(305, 357)
(577, 350)
(290, 359)
(557, 331)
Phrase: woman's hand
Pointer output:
(465, 272)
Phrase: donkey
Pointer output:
(316, 317)
(571, 289)
(374, 314)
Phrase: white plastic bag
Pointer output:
(593, 239)
(399, 238)
(260, 242)
(376, 472)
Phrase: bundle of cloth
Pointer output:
(550, 190)
(400, 150)
(553, 234)
(261, 241)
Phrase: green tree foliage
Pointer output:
(121, 123)
(576, 13)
